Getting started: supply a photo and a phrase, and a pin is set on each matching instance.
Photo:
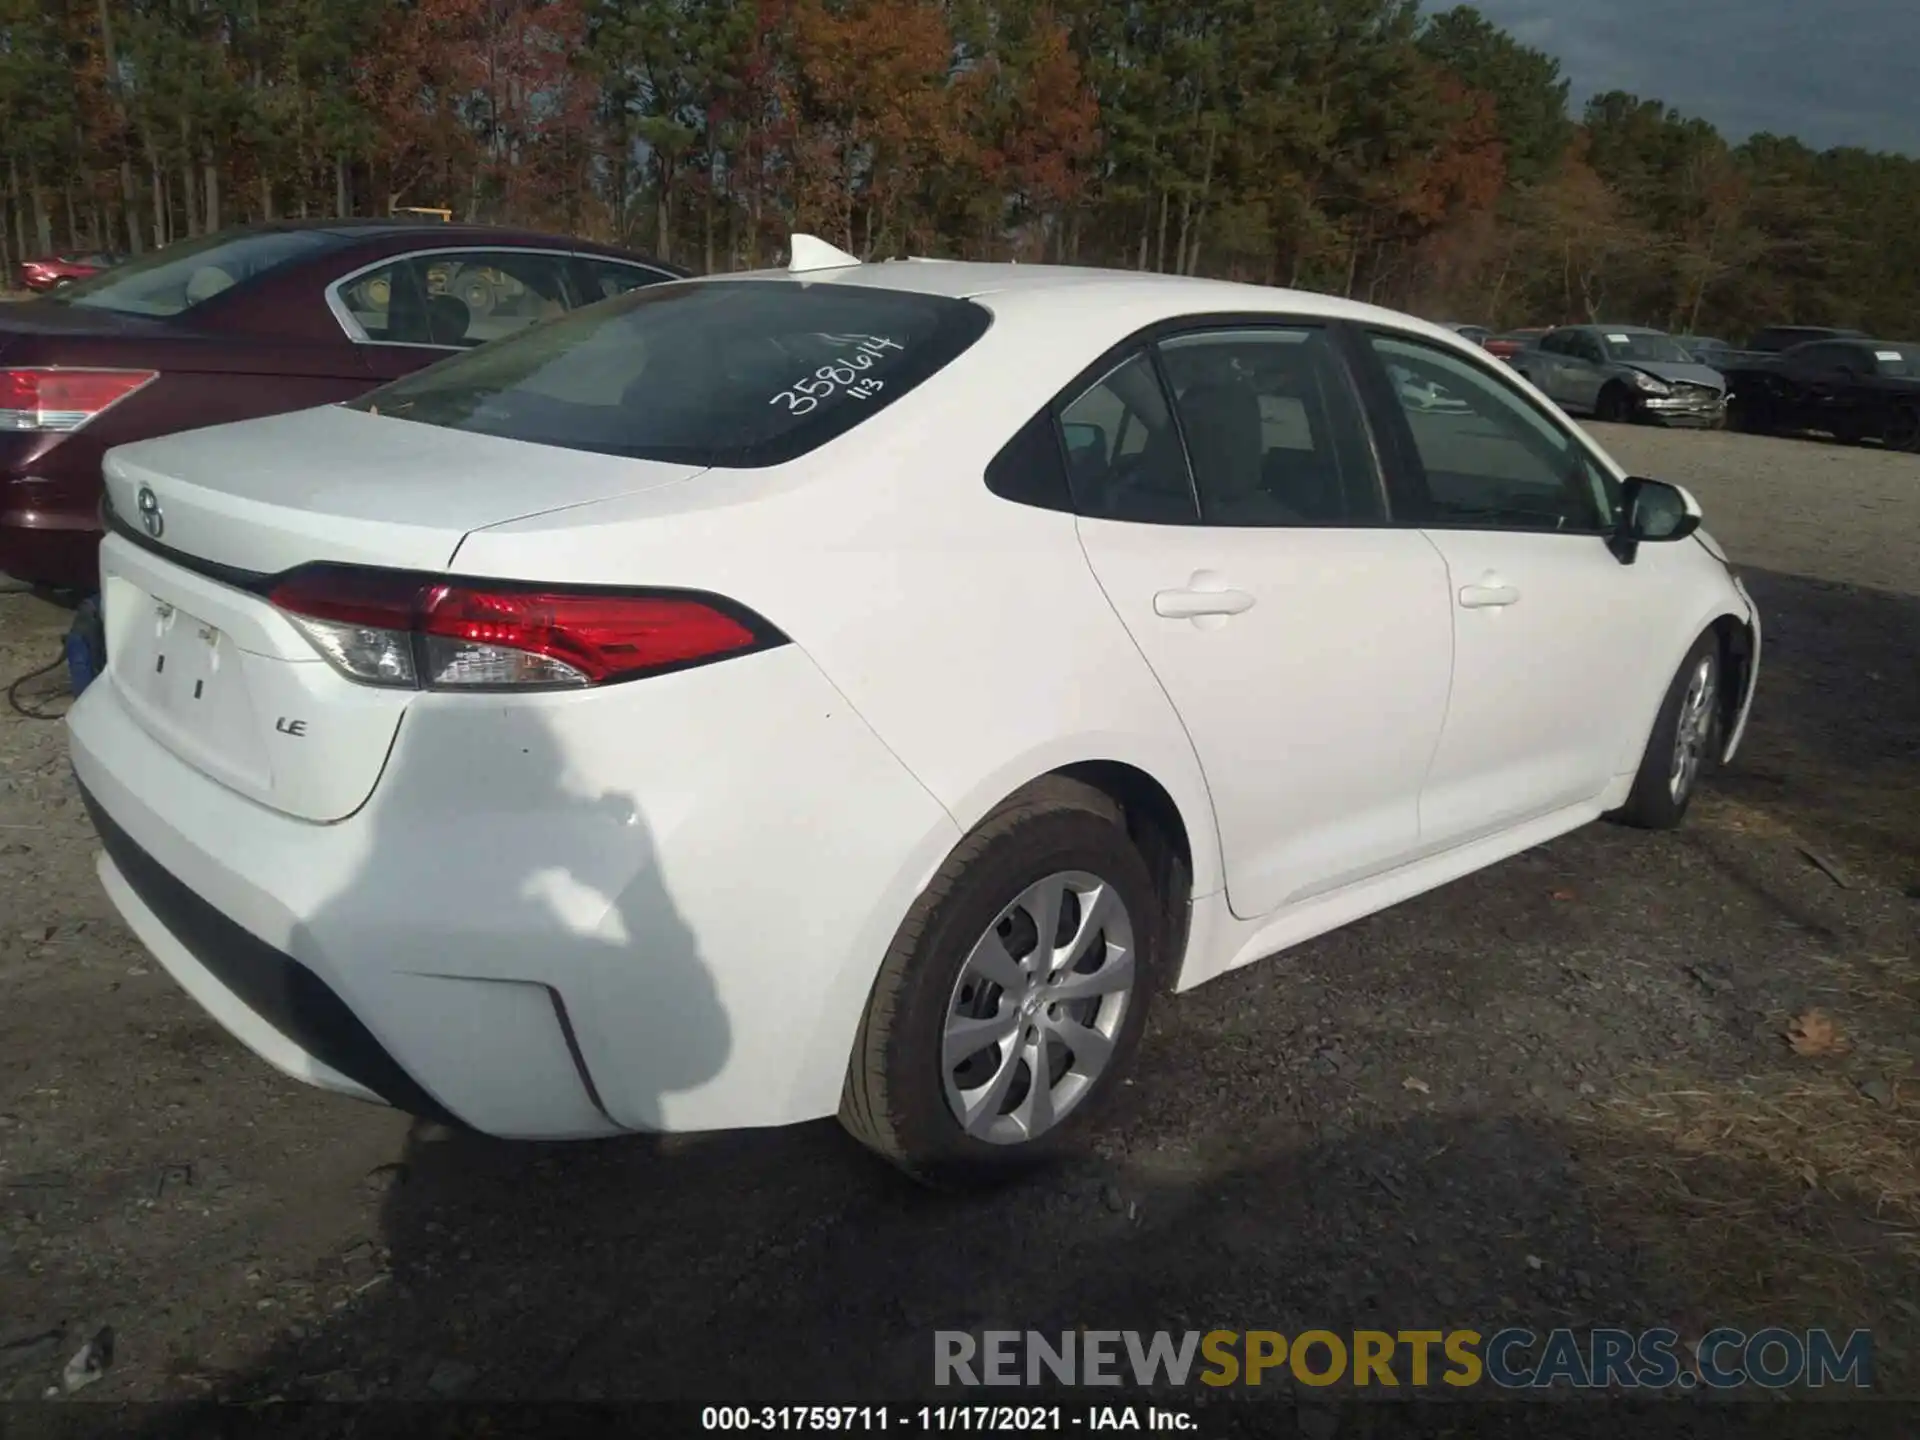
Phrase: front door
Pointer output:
(1305, 644)
(1548, 626)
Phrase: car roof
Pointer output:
(1597, 329)
(349, 230)
(1147, 295)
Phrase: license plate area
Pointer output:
(186, 680)
(186, 659)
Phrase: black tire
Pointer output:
(895, 1099)
(1902, 430)
(1614, 408)
(1652, 804)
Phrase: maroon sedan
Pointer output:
(248, 323)
(56, 272)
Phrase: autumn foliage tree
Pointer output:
(1376, 148)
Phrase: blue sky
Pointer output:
(1833, 72)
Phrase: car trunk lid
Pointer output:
(203, 660)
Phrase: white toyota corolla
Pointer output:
(858, 689)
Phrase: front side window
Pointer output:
(1587, 348)
(1272, 430)
(1494, 462)
(173, 280)
(1124, 460)
(456, 300)
(738, 373)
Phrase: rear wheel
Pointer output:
(1013, 998)
(1683, 744)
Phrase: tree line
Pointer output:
(1360, 147)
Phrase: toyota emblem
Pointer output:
(151, 520)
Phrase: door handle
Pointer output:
(1193, 604)
(1485, 597)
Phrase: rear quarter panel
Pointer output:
(968, 631)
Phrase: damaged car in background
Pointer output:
(1624, 374)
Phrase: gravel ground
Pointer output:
(1557, 1092)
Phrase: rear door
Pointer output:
(1814, 376)
(1548, 626)
(1584, 375)
(1232, 513)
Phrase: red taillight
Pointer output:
(424, 632)
(53, 398)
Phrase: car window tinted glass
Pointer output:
(1644, 346)
(724, 372)
(190, 272)
(459, 299)
(1124, 459)
(1822, 356)
(607, 278)
(1272, 431)
(1493, 461)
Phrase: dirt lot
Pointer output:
(1556, 1093)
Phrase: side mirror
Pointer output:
(1652, 512)
(1083, 438)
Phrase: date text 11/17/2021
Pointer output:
(944, 1419)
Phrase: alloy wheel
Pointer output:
(1037, 1008)
(1693, 729)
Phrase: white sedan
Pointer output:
(860, 689)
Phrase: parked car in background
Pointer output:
(1705, 348)
(1624, 373)
(1509, 343)
(539, 760)
(1776, 339)
(1478, 334)
(245, 323)
(1854, 390)
(56, 272)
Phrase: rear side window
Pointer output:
(736, 373)
(607, 278)
(185, 274)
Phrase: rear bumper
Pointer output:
(281, 1010)
(49, 511)
(560, 916)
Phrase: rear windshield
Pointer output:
(1897, 358)
(173, 280)
(738, 373)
